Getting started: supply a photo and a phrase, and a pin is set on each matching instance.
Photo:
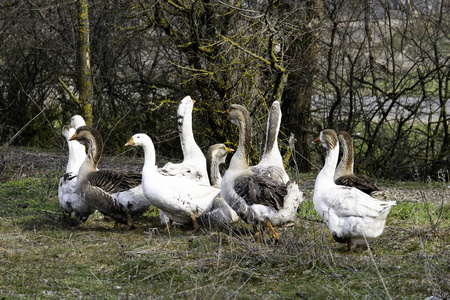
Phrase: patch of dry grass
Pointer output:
(46, 255)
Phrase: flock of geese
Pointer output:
(194, 190)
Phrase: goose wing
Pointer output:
(351, 202)
(260, 190)
(113, 182)
(361, 182)
(271, 171)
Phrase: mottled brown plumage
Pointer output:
(344, 172)
(361, 182)
(114, 181)
(260, 190)
(116, 194)
(67, 195)
(257, 199)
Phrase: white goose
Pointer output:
(77, 121)
(257, 199)
(351, 215)
(116, 194)
(182, 200)
(344, 172)
(68, 198)
(271, 163)
(220, 212)
(194, 161)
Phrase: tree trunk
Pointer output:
(296, 100)
(84, 65)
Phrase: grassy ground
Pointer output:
(44, 254)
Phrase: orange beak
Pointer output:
(130, 142)
(74, 137)
(229, 150)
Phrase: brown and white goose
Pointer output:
(68, 198)
(257, 199)
(351, 215)
(194, 161)
(271, 163)
(116, 194)
(220, 212)
(344, 172)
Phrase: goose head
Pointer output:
(90, 137)
(77, 121)
(328, 138)
(216, 156)
(68, 131)
(238, 114)
(138, 140)
(87, 135)
(218, 152)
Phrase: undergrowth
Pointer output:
(47, 255)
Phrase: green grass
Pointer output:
(47, 255)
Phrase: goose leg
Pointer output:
(349, 245)
(259, 233)
(194, 220)
(276, 235)
(130, 222)
(116, 226)
(169, 225)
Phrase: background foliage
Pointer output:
(378, 69)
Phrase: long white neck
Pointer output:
(272, 153)
(191, 151)
(327, 172)
(149, 158)
(77, 154)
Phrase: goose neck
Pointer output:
(273, 127)
(271, 153)
(188, 145)
(149, 157)
(214, 172)
(347, 156)
(241, 157)
(77, 154)
(95, 150)
(328, 170)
